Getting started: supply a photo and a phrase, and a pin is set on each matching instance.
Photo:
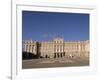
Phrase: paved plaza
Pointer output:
(58, 62)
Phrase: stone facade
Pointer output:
(57, 48)
(30, 46)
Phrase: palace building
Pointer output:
(57, 48)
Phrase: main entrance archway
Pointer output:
(59, 55)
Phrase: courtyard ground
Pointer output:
(59, 62)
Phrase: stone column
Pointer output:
(25, 47)
(32, 48)
(28, 48)
(79, 49)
